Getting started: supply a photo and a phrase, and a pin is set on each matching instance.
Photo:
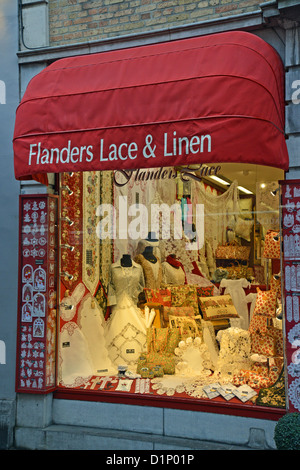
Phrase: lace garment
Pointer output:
(172, 275)
(125, 333)
(125, 279)
(235, 287)
(152, 272)
(235, 352)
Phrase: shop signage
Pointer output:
(108, 152)
(197, 172)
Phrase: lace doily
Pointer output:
(168, 385)
(194, 357)
(192, 371)
(192, 386)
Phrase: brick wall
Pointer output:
(73, 21)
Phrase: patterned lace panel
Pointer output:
(220, 210)
(267, 205)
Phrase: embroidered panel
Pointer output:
(91, 243)
(71, 229)
(290, 195)
(36, 347)
(105, 250)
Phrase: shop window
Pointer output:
(170, 284)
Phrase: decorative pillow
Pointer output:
(190, 327)
(263, 344)
(265, 303)
(159, 296)
(207, 291)
(275, 284)
(259, 324)
(201, 282)
(176, 312)
(276, 333)
(217, 307)
(272, 245)
(261, 368)
(185, 296)
(257, 381)
(275, 368)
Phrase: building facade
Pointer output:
(54, 417)
(9, 98)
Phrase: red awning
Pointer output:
(211, 99)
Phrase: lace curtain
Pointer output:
(220, 210)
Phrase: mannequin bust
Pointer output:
(151, 267)
(126, 261)
(149, 255)
(173, 257)
(173, 271)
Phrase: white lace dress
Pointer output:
(125, 333)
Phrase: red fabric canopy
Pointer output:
(211, 99)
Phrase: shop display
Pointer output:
(171, 315)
